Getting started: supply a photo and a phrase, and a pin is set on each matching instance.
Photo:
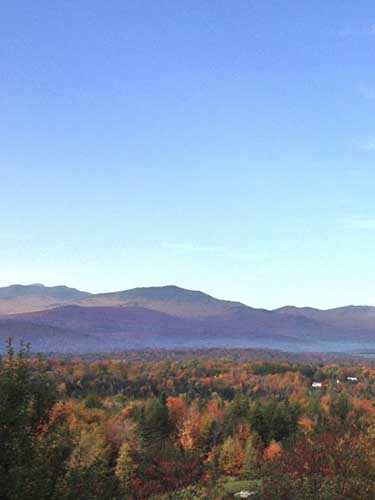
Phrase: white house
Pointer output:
(352, 379)
(244, 494)
(316, 384)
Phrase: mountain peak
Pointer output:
(170, 299)
(36, 296)
(172, 292)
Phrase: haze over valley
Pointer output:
(66, 320)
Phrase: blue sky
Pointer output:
(222, 146)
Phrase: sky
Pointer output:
(221, 146)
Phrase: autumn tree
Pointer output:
(125, 468)
(89, 473)
(231, 457)
(250, 461)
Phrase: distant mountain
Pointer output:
(36, 297)
(43, 338)
(131, 327)
(358, 317)
(168, 299)
(64, 319)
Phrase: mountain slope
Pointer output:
(109, 328)
(168, 299)
(357, 317)
(43, 338)
(36, 297)
(63, 319)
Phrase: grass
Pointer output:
(225, 490)
(232, 487)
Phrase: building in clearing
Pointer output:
(316, 384)
(244, 494)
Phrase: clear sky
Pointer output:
(227, 146)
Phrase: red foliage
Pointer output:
(164, 476)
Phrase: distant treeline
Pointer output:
(242, 354)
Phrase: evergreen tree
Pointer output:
(340, 407)
(154, 426)
(28, 466)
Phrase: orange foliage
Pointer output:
(306, 423)
(273, 450)
(190, 429)
(177, 409)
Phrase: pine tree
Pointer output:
(155, 426)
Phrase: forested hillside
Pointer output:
(199, 428)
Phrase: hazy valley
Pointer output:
(66, 320)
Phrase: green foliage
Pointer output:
(28, 461)
(232, 487)
(93, 401)
(251, 460)
(94, 482)
(154, 427)
(190, 493)
(239, 407)
(340, 407)
(274, 420)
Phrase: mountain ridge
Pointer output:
(171, 316)
(74, 296)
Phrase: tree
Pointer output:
(273, 450)
(231, 457)
(154, 427)
(89, 476)
(125, 467)
(334, 465)
(190, 429)
(340, 407)
(274, 421)
(250, 462)
(33, 452)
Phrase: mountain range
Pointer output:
(67, 320)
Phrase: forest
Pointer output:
(212, 428)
